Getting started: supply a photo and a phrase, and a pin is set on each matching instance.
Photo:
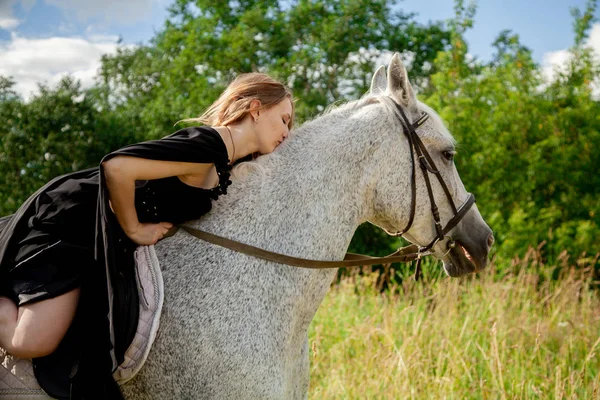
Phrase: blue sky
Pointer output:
(42, 40)
(543, 25)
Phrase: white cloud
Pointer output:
(557, 60)
(9, 23)
(7, 20)
(30, 61)
(594, 39)
(103, 38)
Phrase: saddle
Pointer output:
(17, 379)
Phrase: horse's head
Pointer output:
(463, 246)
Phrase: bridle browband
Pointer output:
(405, 254)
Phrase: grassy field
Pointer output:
(516, 337)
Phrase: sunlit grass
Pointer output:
(516, 337)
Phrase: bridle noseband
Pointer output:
(428, 166)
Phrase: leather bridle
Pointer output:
(428, 166)
(405, 254)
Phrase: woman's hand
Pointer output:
(148, 233)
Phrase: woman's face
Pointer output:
(272, 126)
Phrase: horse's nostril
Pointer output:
(490, 240)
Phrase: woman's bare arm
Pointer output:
(121, 172)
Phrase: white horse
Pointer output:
(234, 326)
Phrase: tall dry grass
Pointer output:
(519, 336)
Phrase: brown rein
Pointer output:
(405, 254)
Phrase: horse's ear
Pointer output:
(379, 81)
(399, 84)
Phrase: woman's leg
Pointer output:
(35, 330)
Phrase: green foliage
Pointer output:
(58, 131)
(526, 146)
(582, 21)
(325, 50)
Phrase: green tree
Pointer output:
(526, 143)
(59, 131)
(324, 50)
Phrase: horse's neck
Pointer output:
(309, 201)
(311, 198)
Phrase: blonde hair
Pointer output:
(234, 103)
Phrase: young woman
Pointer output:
(77, 233)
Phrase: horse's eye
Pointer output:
(449, 155)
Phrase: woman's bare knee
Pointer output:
(8, 321)
(41, 326)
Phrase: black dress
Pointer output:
(58, 249)
(65, 236)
